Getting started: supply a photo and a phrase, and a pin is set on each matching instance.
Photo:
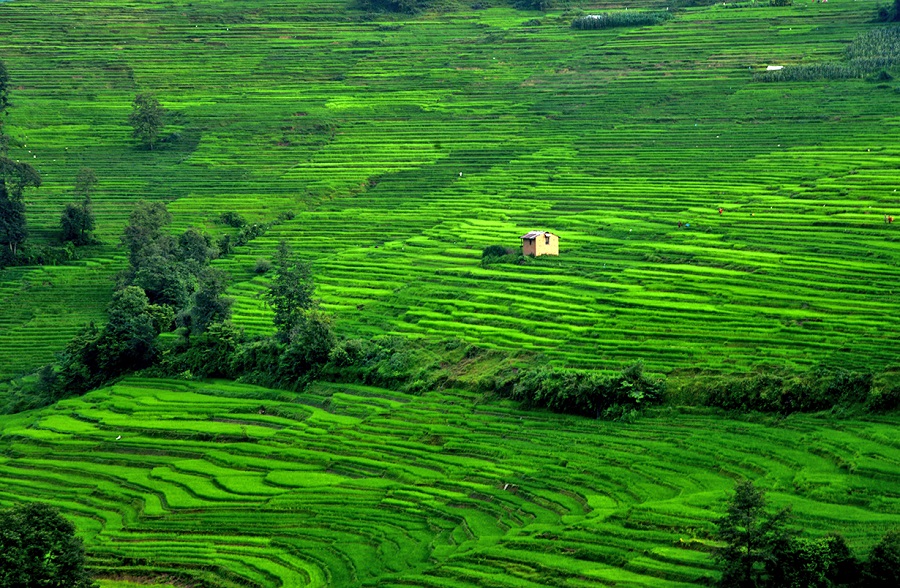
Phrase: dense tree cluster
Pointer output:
(168, 284)
(301, 345)
(39, 549)
(413, 6)
(760, 551)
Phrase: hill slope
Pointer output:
(405, 145)
(350, 486)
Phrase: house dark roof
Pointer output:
(535, 234)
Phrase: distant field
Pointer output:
(358, 486)
(405, 145)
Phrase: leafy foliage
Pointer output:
(406, 6)
(146, 119)
(233, 219)
(208, 304)
(126, 343)
(495, 251)
(817, 389)
(291, 292)
(588, 393)
(752, 538)
(14, 178)
(629, 18)
(77, 222)
(761, 552)
(883, 567)
(38, 549)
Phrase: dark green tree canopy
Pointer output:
(77, 222)
(38, 549)
(208, 304)
(883, 568)
(291, 293)
(144, 227)
(752, 537)
(146, 119)
(4, 89)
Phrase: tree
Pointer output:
(209, 306)
(291, 293)
(39, 549)
(311, 341)
(195, 246)
(128, 342)
(146, 119)
(144, 227)
(4, 89)
(883, 567)
(77, 221)
(812, 563)
(14, 178)
(752, 538)
(13, 230)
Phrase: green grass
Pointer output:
(443, 489)
(361, 127)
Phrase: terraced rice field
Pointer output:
(405, 145)
(355, 486)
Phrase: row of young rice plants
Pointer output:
(406, 146)
(348, 485)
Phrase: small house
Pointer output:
(540, 243)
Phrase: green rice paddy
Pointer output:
(405, 145)
(355, 486)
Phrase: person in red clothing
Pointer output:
(721, 210)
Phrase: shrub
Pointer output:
(884, 397)
(495, 251)
(588, 393)
(542, 5)
(405, 6)
(817, 389)
(262, 266)
(621, 19)
(232, 219)
(870, 52)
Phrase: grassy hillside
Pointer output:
(355, 486)
(406, 144)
